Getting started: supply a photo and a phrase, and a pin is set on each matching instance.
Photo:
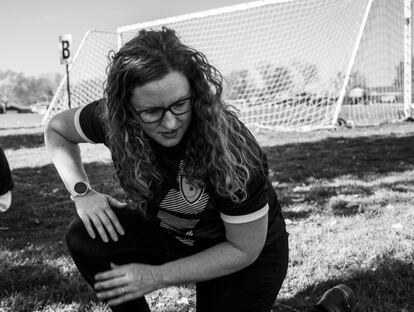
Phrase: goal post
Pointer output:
(350, 65)
(287, 64)
(87, 72)
(380, 86)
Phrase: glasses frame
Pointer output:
(168, 108)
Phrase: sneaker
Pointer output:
(338, 299)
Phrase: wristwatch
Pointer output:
(80, 189)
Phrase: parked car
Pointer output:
(39, 108)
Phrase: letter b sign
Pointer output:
(65, 43)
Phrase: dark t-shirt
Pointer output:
(193, 213)
(6, 182)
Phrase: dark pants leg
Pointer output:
(253, 289)
(143, 242)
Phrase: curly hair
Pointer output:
(220, 150)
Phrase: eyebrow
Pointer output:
(182, 98)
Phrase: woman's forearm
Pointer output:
(66, 157)
(219, 260)
(244, 242)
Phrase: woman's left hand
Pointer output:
(127, 282)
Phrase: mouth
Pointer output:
(169, 134)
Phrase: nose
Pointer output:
(169, 121)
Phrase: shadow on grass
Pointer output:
(32, 233)
(299, 162)
(388, 287)
(27, 287)
(340, 156)
(41, 208)
(18, 141)
(297, 215)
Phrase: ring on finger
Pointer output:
(123, 290)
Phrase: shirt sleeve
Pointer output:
(253, 207)
(88, 123)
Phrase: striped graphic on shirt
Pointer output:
(180, 210)
(175, 201)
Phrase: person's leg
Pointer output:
(253, 289)
(6, 183)
(143, 243)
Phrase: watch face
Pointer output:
(80, 188)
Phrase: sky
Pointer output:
(30, 29)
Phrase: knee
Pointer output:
(76, 236)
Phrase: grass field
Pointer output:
(347, 195)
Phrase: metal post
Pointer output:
(351, 64)
(407, 59)
(67, 84)
(119, 40)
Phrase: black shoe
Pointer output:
(338, 299)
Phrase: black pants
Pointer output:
(6, 181)
(252, 289)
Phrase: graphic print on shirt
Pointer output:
(181, 208)
(190, 192)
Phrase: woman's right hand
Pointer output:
(96, 208)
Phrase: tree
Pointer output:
(30, 90)
(399, 75)
(239, 84)
(278, 79)
(357, 80)
(309, 72)
(15, 88)
(338, 82)
(8, 81)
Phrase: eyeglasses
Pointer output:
(155, 114)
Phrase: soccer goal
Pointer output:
(288, 64)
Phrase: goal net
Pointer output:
(287, 64)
